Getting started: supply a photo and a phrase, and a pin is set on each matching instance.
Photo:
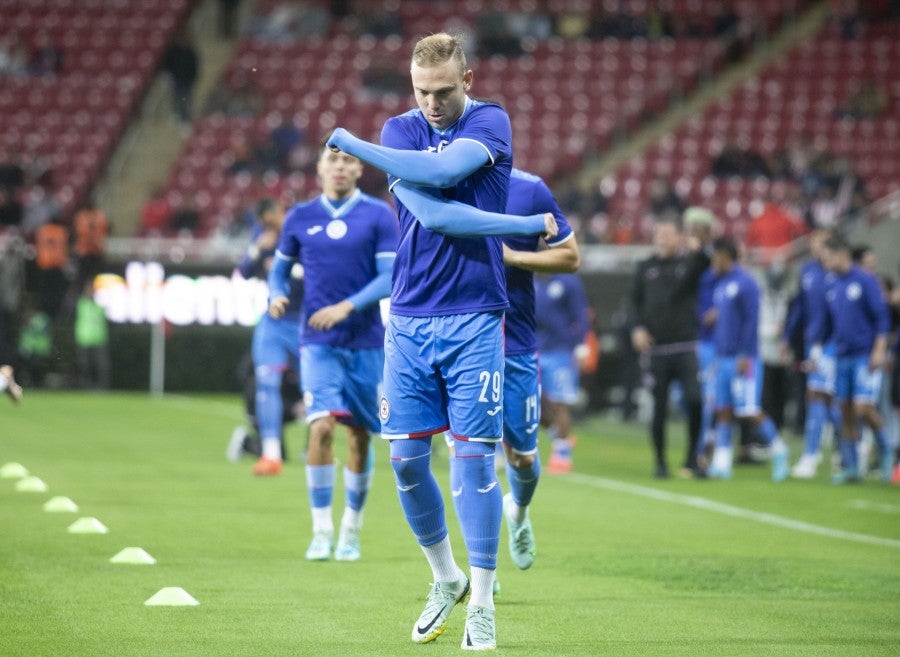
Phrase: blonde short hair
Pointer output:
(436, 49)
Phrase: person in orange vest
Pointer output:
(51, 244)
(91, 229)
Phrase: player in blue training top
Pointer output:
(738, 367)
(563, 321)
(346, 242)
(448, 164)
(700, 224)
(858, 322)
(819, 361)
(276, 344)
(523, 257)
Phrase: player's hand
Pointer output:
(709, 317)
(743, 366)
(551, 230)
(324, 318)
(877, 359)
(338, 139)
(277, 306)
(784, 352)
(641, 339)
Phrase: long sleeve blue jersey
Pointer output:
(857, 312)
(736, 299)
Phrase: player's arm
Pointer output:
(559, 258)
(748, 323)
(460, 220)
(641, 339)
(443, 169)
(373, 292)
(279, 284)
(879, 308)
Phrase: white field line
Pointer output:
(219, 409)
(865, 505)
(728, 510)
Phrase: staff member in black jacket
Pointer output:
(664, 304)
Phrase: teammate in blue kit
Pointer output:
(819, 361)
(448, 163)
(521, 385)
(858, 322)
(276, 345)
(562, 323)
(738, 367)
(346, 242)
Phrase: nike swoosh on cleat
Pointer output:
(495, 411)
(404, 489)
(423, 630)
(488, 488)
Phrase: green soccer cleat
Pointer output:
(480, 633)
(521, 537)
(442, 597)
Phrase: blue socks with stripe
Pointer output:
(420, 495)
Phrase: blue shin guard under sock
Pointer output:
(816, 414)
(479, 502)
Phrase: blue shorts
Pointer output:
(443, 373)
(521, 403)
(559, 376)
(822, 379)
(741, 393)
(276, 343)
(343, 383)
(706, 357)
(856, 382)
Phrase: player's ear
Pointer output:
(468, 76)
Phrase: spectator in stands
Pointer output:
(10, 210)
(383, 77)
(228, 18)
(278, 151)
(13, 56)
(91, 229)
(155, 214)
(289, 21)
(380, 22)
(664, 200)
(868, 101)
(495, 37)
(831, 204)
(738, 159)
(186, 217)
(41, 207)
(182, 64)
(12, 173)
(772, 228)
(46, 59)
(240, 154)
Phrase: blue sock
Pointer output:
(523, 481)
(723, 435)
(816, 413)
(849, 459)
(356, 488)
(320, 484)
(419, 493)
(768, 430)
(881, 440)
(479, 505)
(837, 422)
(268, 401)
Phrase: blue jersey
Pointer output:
(561, 312)
(338, 244)
(857, 313)
(253, 265)
(436, 274)
(528, 194)
(736, 299)
(705, 303)
(814, 282)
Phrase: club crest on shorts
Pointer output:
(384, 409)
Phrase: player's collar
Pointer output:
(446, 132)
(342, 207)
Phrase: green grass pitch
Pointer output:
(626, 565)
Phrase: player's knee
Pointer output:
(476, 463)
(410, 460)
(268, 378)
(517, 460)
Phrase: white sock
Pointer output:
(4, 382)
(482, 587)
(322, 522)
(518, 513)
(351, 519)
(271, 448)
(440, 558)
